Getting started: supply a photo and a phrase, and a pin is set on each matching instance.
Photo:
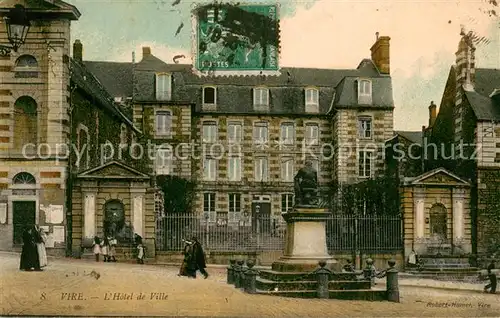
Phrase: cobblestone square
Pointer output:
(86, 288)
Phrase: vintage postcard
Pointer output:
(292, 158)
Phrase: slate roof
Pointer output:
(485, 107)
(413, 136)
(89, 84)
(235, 95)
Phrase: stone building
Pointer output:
(248, 136)
(60, 138)
(468, 125)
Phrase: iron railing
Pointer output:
(267, 233)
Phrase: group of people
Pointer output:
(33, 254)
(106, 248)
(194, 259)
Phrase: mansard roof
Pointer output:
(234, 94)
(484, 107)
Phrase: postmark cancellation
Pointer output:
(236, 39)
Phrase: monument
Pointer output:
(305, 242)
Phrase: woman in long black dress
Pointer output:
(29, 254)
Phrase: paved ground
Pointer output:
(46, 293)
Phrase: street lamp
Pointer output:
(17, 24)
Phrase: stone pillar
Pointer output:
(230, 271)
(251, 278)
(419, 221)
(392, 284)
(458, 215)
(237, 274)
(137, 213)
(89, 217)
(323, 279)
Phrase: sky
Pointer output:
(319, 34)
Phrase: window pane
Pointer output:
(209, 131)
(163, 123)
(209, 95)
(163, 86)
(234, 132)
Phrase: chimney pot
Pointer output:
(376, 35)
(78, 51)
(432, 114)
(146, 51)
(381, 54)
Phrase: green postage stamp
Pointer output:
(236, 39)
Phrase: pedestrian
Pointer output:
(349, 268)
(141, 249)
(105, 248)
(112, 249)
(41, 238)
(199, 257)
(188, 266)
(492, 286)
(96, 248)
(29, 254)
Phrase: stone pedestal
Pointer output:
(305, 241)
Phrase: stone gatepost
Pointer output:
(323, 279)
(230, 271)
(392, 283)
(251, 278)
(237, 274)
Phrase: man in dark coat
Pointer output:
(29, 254)
(199, 256)
(492, 286)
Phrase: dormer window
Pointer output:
(312, 100)
(364, 92)
(261, 98)
(163, 86)
(209, 96)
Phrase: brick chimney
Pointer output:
(78, 50)
(465, 61)
(146, 51)
(381, 54)
(432, 114)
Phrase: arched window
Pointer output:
(24, 178)
(26, 67)
(25, 122)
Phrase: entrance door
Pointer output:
(23, 214)
(261, 214)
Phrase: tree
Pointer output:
(179, 194)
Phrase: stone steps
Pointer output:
(270, 285)
(464, 270)
(360, 294)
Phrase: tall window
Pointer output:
(164, 123)
(286, 202)
(364, 92)
(234, 173)
(365, 164)
(261, 169)
(209, 95)
(287, 133)
(163, 86)
(209, 206)
(209, 131)
(234, 132)
(365, 127)
(26, 67)
(164, 161)
(287, 170)
(260, 133)
(234, 207)
(25, 122)
(261, 96)
(312, 100)
(210, 169)
(312, 134)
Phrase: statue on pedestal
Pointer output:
(306, 186)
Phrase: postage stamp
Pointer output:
(236, 39)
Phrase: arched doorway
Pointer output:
(114, 217)
(438, 222)
(23, 212)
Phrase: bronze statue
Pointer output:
(306, 186)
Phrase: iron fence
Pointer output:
(267, 233)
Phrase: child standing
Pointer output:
(96, 248)
(105, 248)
